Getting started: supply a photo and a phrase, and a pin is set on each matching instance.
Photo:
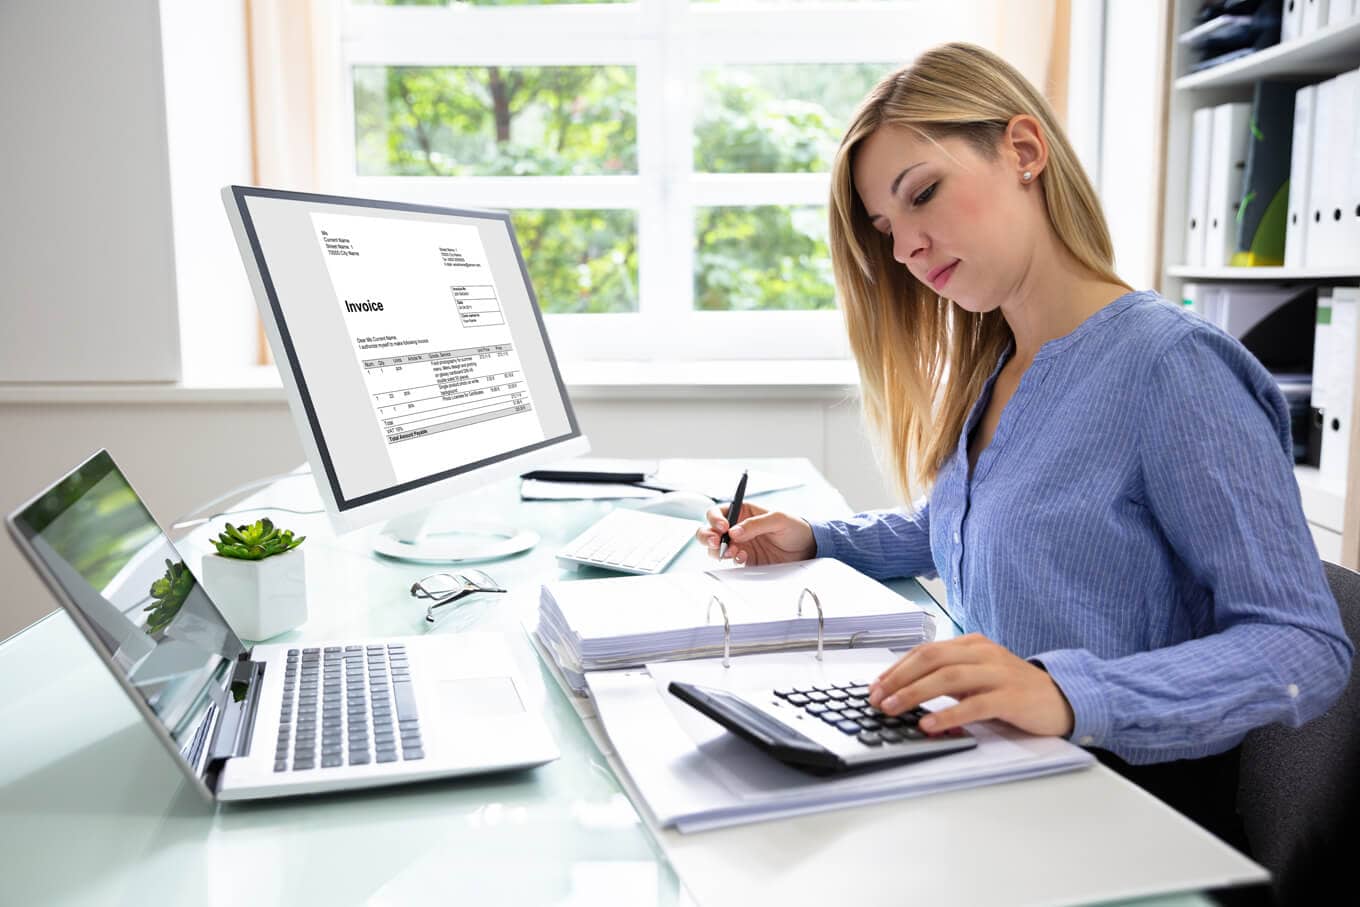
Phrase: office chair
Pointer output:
(1299, 788)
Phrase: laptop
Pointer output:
(273, 720)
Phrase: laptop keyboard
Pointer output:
(350, 705)
(845, 706)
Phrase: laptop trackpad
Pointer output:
(479, 697)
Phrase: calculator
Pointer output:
(823, 728)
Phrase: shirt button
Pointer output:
(1087, 740)
(1292, 690)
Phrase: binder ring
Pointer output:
(818, 602)
(727, 629)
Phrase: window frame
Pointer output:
(667, 43)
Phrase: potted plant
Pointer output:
(257, 578)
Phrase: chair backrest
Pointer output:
(1299, 788)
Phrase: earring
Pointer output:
(1027, 176)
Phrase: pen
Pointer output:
(732, 513)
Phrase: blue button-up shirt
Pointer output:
(1134, 526)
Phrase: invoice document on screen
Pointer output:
(423, 313)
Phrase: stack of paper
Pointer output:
(594, 625)
(693, 775)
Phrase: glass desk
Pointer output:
(93, 811)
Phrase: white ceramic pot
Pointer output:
(260, 598)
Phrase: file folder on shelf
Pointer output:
(1334, 349)
(1201, 133)
(1300, 161)
(621, 622)
(1264, 210)
(1227, 168)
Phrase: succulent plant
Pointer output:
(168, 594)
(256, 541)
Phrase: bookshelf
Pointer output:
(1332, 509)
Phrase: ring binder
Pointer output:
(820, 619)
(727, 629)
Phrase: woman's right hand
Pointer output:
(759, 537)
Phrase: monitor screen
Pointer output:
(136, 599)
(412, 336)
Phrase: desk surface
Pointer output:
(92, 810)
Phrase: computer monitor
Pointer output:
(414, 356)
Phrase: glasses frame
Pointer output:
(480, 581)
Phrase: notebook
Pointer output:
(605, 624)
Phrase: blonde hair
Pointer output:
(923, 360)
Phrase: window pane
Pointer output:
(495, 120)
(767, 257)
(777, 118)
(580, 260)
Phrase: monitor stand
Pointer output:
(408, 538)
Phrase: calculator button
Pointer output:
(798, 699)
(859, 691)
(831, 716)
(816, 708)
(836, 694)
(816, 696)
(869, 738)
(888, 735)
(784, 693)
(869, 724)
(848, 727)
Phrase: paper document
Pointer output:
(590, 625)
(436, 356)
(694, 775)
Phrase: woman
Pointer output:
(1112, 504)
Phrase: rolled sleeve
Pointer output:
(883, 544)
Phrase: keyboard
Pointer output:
(368, 708)
(629, 541)
(823, 728)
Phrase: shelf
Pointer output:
(1324, 503)
(1330, 50)
(1195, 272)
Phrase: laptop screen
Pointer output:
(138, 600)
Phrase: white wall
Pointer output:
(207, 102)
(87, 274)
(181, 454)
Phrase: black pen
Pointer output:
(732, 512)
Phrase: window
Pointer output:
(665, 160)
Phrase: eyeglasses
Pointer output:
(442, 589)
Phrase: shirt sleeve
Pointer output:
(883, 544)
(1216, 457)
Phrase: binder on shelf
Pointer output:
(1342, 251)
(1334, 350)
(1300, 159)
(1201, 134)
(1332, 235)
(1349, 251)
(1263, 212)
(1227, 168)
(1315, 15)
(1317, 251)
(1291, 21)
(1192, 296)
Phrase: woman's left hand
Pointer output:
(988, 680)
